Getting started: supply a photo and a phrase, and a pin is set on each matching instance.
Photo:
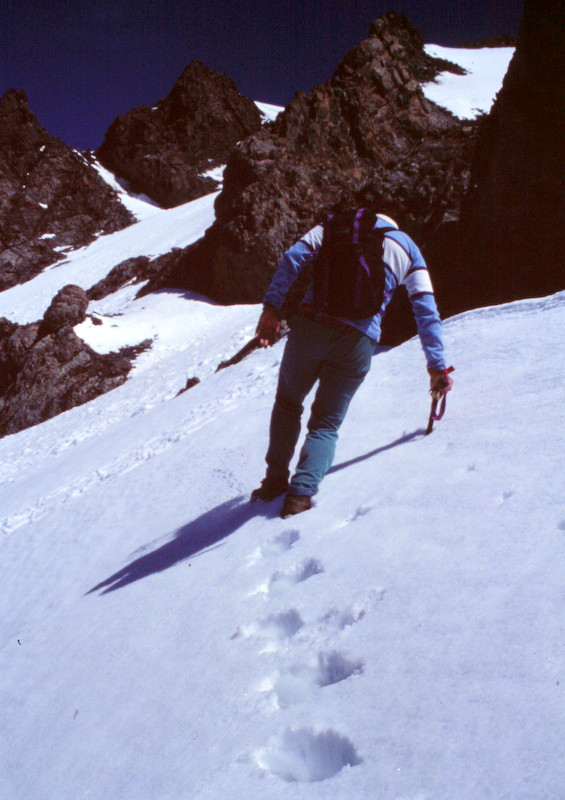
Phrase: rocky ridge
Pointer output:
(368, 135)
(45, 368)
(165, 151)
(51, 198)
(132, 271)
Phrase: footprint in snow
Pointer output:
(281, 581)
(359, 512)
(275, 546)
(344, 618)
(306, 756)
(506, 496)
(276, 629)
(297, 684)
(362, 511)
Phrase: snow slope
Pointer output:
(140, 205)
(269, 111)
(161, 638)
(468, 95)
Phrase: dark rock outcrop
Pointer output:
(134, 270)
(51, 198)
(163, 151)
(68, 307)
(45, 368)
(512, 220)
(369, 134)
(190, 384)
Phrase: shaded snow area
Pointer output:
(162, 638)
(468, 95)
(140, 205)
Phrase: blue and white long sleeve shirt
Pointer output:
(404, 264)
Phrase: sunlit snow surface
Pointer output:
(162, 639)
(468, 95)
(270, 111)
(402, 639)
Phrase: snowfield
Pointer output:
(468, 95)
(269, 111)
(162, 639)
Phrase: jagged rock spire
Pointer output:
(164, 151)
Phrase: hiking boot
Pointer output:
(269, 489)
(295, 504)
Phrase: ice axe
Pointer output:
(252, 344)
(248, 348)
(439, 397)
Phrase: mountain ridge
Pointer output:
(166, 151)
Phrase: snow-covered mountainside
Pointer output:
(161, 638)
(158, 231)
(470, 94)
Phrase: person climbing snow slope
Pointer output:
(347, 270)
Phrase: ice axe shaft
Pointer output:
(248, 348)
(436, 415)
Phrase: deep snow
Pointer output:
(161, 638)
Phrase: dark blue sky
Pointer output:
(81, 64)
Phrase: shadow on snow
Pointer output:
(408, 437)
(207, 531)
(193, 539)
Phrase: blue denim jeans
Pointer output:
(338, 357)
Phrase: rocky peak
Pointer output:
(395, 38)
(164, 151)
(51, 198)
(20, 133)
(368, 134)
